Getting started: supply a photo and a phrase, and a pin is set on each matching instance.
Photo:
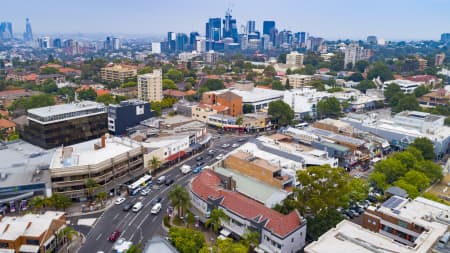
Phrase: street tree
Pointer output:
(154, 163)
(37, 203)
(186, 240)
(216, 218)
(135, 248)
(329, 107)
(180, 199)
(425, 146)
(91, 185)
(281, 113)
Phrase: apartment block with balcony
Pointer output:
(150, 86)
(298, 81)
(118, 73)
(110, 161)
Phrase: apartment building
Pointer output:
(110, 161)
(279, 233)
(150, 86)
(439, 97)
(294, 59)
(201, 112)
(298, 81)
(64, 124)
(31, 233)
(118, 73)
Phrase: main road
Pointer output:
(141, 226)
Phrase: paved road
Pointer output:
(140, 227)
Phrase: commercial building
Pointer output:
(65, 124)
(31, 233)
(118, 73)
(406, 86)
(298, 81)
(294, 59)
(110, 161)
(435, 98)
(353, 54)
(150, 86)
(201, 112)
(278, 232)
(303, 101)
(127, 114)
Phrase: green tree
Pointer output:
(129, 84)
(329, 107)
(251, 76)
(175, 75)
(180, 199)
(407, 103)
(425, 146)
(239, 121)
(156, 107)
(416, 178)
(87, 94)
(270, 71)
(101, 196)
(216, 218)
(49, 70)
(248, 108)
(186, 240)
(318, 85)
(322, 188)
(392, 93)
(228, 246)
(391, 168)
(308, 69)
(251, 238)
(378, 180)
(431, 169)
(154, 163)
(281, 113)
(49, 86)
(287, 85)
(356, 77)
(364, 85)
(409, 188)
(169, 84)
(107, 99)
(66, 234)
(145, 70)
(322, 222)
(135, 248)
(277, 85)
(214, 84)
(91, 185)
(35, 101)
(361, 65)
(188, 86)
(421, 90)
(358, 189)
(381, 70)
(281, 58)
(37, 203)
(60, 201)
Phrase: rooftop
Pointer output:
(254, 95)
(85, 154)
(159, 245)
(30, 225)
(66, 111)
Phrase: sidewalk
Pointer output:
(77, 209)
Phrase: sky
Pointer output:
(330, 19)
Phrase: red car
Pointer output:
(114, 236)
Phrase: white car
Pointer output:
(137, 207)
(119, 200)
(219, 157)
(156, 208)
(145, 192)
(235, 145)
(226, 145)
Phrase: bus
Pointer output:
(136, 186)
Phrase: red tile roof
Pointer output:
(421, 78)
(12, 92)
(6, 123)
(174, 93)
(206, 185)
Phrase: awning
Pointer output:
(175, 156)
(17, 197)
(205, 140)
(26, 248)
(196, 146)
(225, 232)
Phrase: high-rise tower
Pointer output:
(28, 34)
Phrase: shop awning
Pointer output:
(175, 156)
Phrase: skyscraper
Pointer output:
(268, 26)
(6, 30)
(28, 34)
(230, 27)
(193, 40)
(116, 45)
(171, 41)
(251, 28)
(181, 42)
(353, 54)
(213, 32)
(445, 37)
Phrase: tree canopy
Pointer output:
(329, 107)
(175, 75)
(169, 84)
(34, 101)
(364, 85)
(407, 103)
(281, 113)
(381, 70)
(425, 146)
(214, 84)
(186, 240)
(87, 94)
(277, 85)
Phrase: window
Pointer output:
(402, 224)
(292, 239)
(3, 245)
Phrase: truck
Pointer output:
(185, 169)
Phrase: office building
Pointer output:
(118, 73)
(445, 37)
(294, 59)
(251, 28)
(6, 31)
(301, 38)
(116, 44)
(36, 233)
(65, 124)
(313, 43)
(156, 47)
(213, 32)
(406, 86)
(439, 59)
(268, 26)
(193, 40)
(57, 43)
(28, 34)
(353, 54)
(200, 44)
(150, 86)
(278, 232)
(255, 44)
(372, 40)
(110, 161)
(181, 41)
(44, 42)
(230, 27)
(128, 113)
(171, 41)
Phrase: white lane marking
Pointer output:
(98, 237)
(132, 220)
(117, 215)
(143, 220)
(154, 218)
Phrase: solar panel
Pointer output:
(393, 202)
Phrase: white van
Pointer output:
(156, 208)
(161, 180)
(138, 206)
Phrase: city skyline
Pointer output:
(326, 19)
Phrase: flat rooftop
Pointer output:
(85, 154)
(30, 225)
(258, 95)
(22, 163)
(62, 112)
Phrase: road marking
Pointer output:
(115, 217)
(132, 220)
(98, 237)
(143, 220)
(154, 218)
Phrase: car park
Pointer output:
(114, 235)
(119, 200)
(127, 206)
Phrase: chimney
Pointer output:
(103, 141)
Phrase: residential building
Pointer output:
(211, 57)
(406, 86)
(278, 232)
(353, 54)
(201, 112)
(439, 59)
(110, 161)
(7, 128)
(58, 78)
(232, 101)
(298, 81)
(150, 86)
(423, 64)
(303, 100)
(294, 59)
(118, 73)
(156, 47)
(64, 124)
(427, 80)
(435, 98)
(37, 233)
(129, 92)
(127, 114)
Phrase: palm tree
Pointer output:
(154, 163)
(101, 196)
(91, 185)
(66, 234)
(217, 215)
(180, 199)
(37, 203)
(251, 239)
(135, 248)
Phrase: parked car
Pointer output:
(357, 209)
(226, 145)
(119, 200)
(235, 145)
(114, 235)
(169, 181)
(348, 213)
(145, 191)
(354, 212)
(219, 157)
(200, 163)
(156, 208)
(127, 206)
(199, 158)
(197, 169)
